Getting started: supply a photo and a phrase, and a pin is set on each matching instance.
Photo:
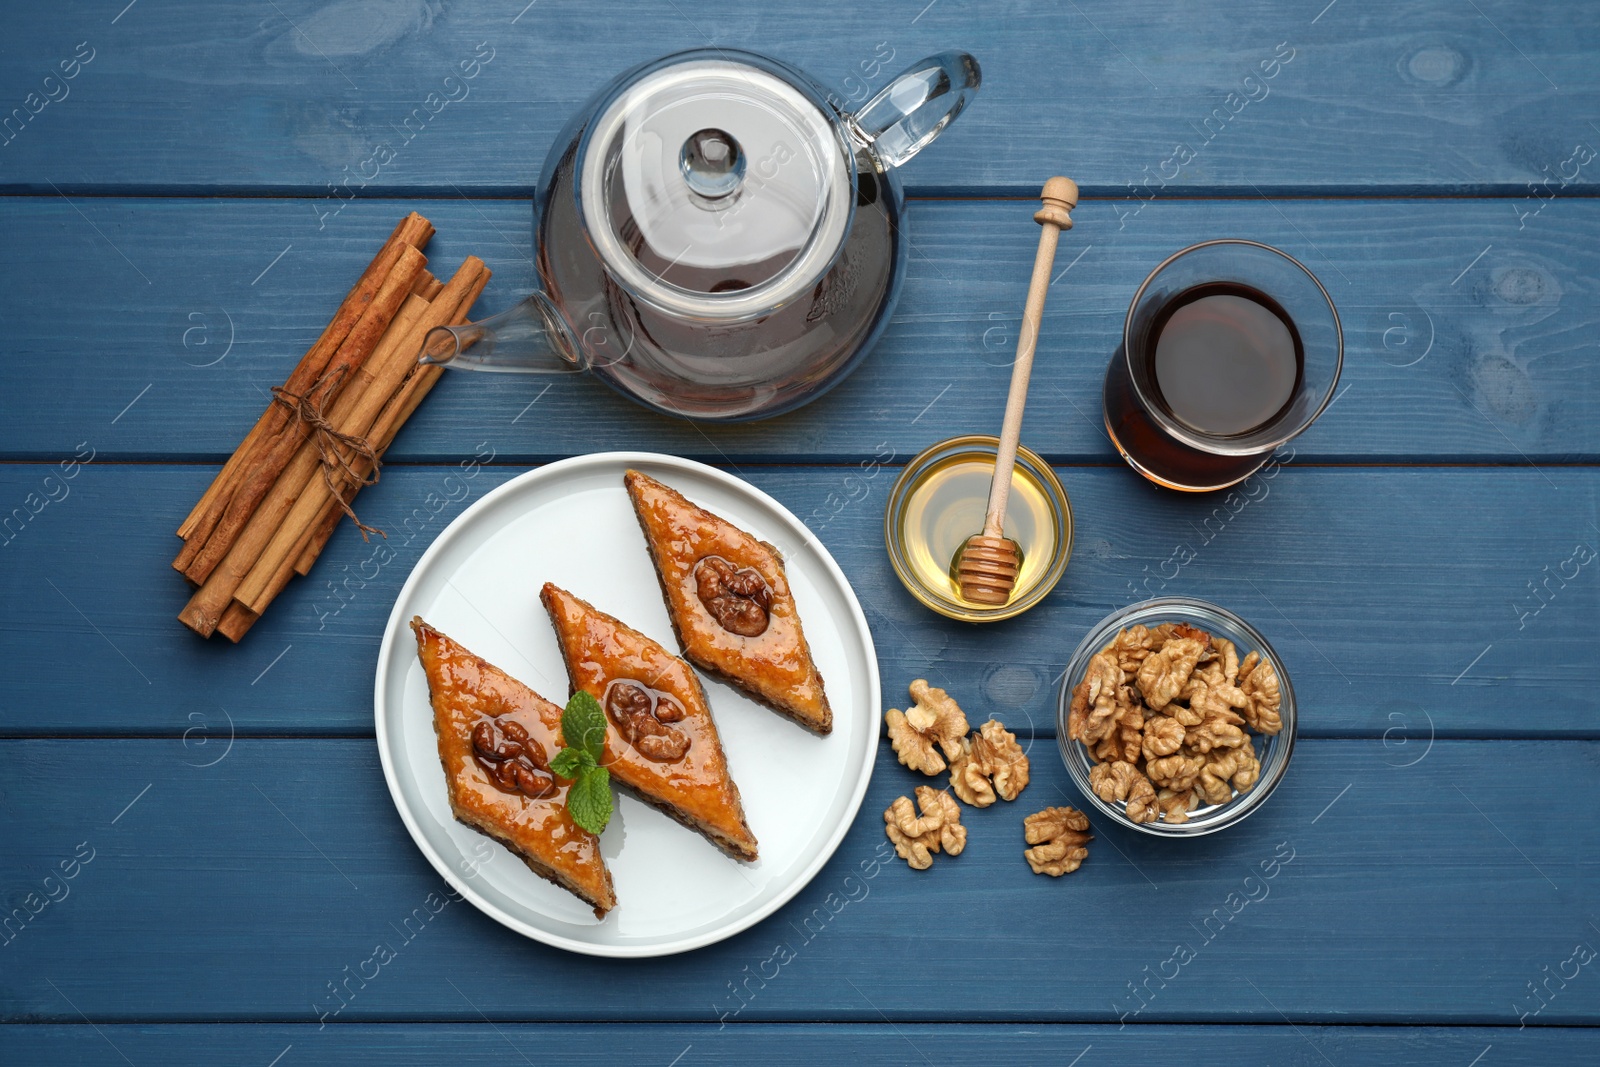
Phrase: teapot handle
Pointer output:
(916, 106)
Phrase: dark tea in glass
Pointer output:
(1230, 349)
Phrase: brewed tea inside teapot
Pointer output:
(715, 239)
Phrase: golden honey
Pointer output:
(939, 503)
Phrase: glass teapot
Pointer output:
(716, 238)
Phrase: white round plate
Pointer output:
(571, 523)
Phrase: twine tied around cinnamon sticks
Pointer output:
(267, 515)
(334, 464)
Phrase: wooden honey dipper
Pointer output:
(987, 569)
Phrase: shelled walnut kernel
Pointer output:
(938, 829)
(1121, 780)
(990, 764)
(1060, 838)
(1167, 714)
(933, 722)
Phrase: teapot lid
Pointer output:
(715, 184)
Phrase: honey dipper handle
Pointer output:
(1060, 196)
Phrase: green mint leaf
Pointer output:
(589, 800)
(583, 729)
(568, 763)
(583, 725)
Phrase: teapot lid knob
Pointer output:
(712, 163)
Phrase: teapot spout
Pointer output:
(530, 338)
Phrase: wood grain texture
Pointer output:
(1399, 598)
(1495, 326)
(999, 1045)
(191, 97)
(182, 213)
(1431, 894)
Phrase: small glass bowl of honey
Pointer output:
(938, 503)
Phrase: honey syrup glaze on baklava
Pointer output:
(730, 602)
(495, 737)
(661, 742)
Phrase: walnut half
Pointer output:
(1259, 684)
(1130, 647)
(939, 828)
(1162, 675)
(968, 780)
(1094, 700)
(1176, 772)
(1121, 780)
(934, 719)
(738, 598)
(990, 764)
(1176, 805)
(1214, 733)
(1216, 777)
(1059, 837)
(642, 715)
(1162, 736)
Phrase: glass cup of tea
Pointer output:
(1230, 349)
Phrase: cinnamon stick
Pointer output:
(388, 424)
(304, 483)
(275, 503)
(398, 358)
(236, 621)
(311, 547)
(413, 230)
(275, 451)
(207, 604)
(415, 388)
(305, 531)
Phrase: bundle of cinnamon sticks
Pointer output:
(271, 510)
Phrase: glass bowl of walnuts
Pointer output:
(1176, 717)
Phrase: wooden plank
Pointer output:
(187, 97)
(1431, 894)
(1409, 603)
(428, 1044)
(1466, 338)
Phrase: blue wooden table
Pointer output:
(181, 211)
